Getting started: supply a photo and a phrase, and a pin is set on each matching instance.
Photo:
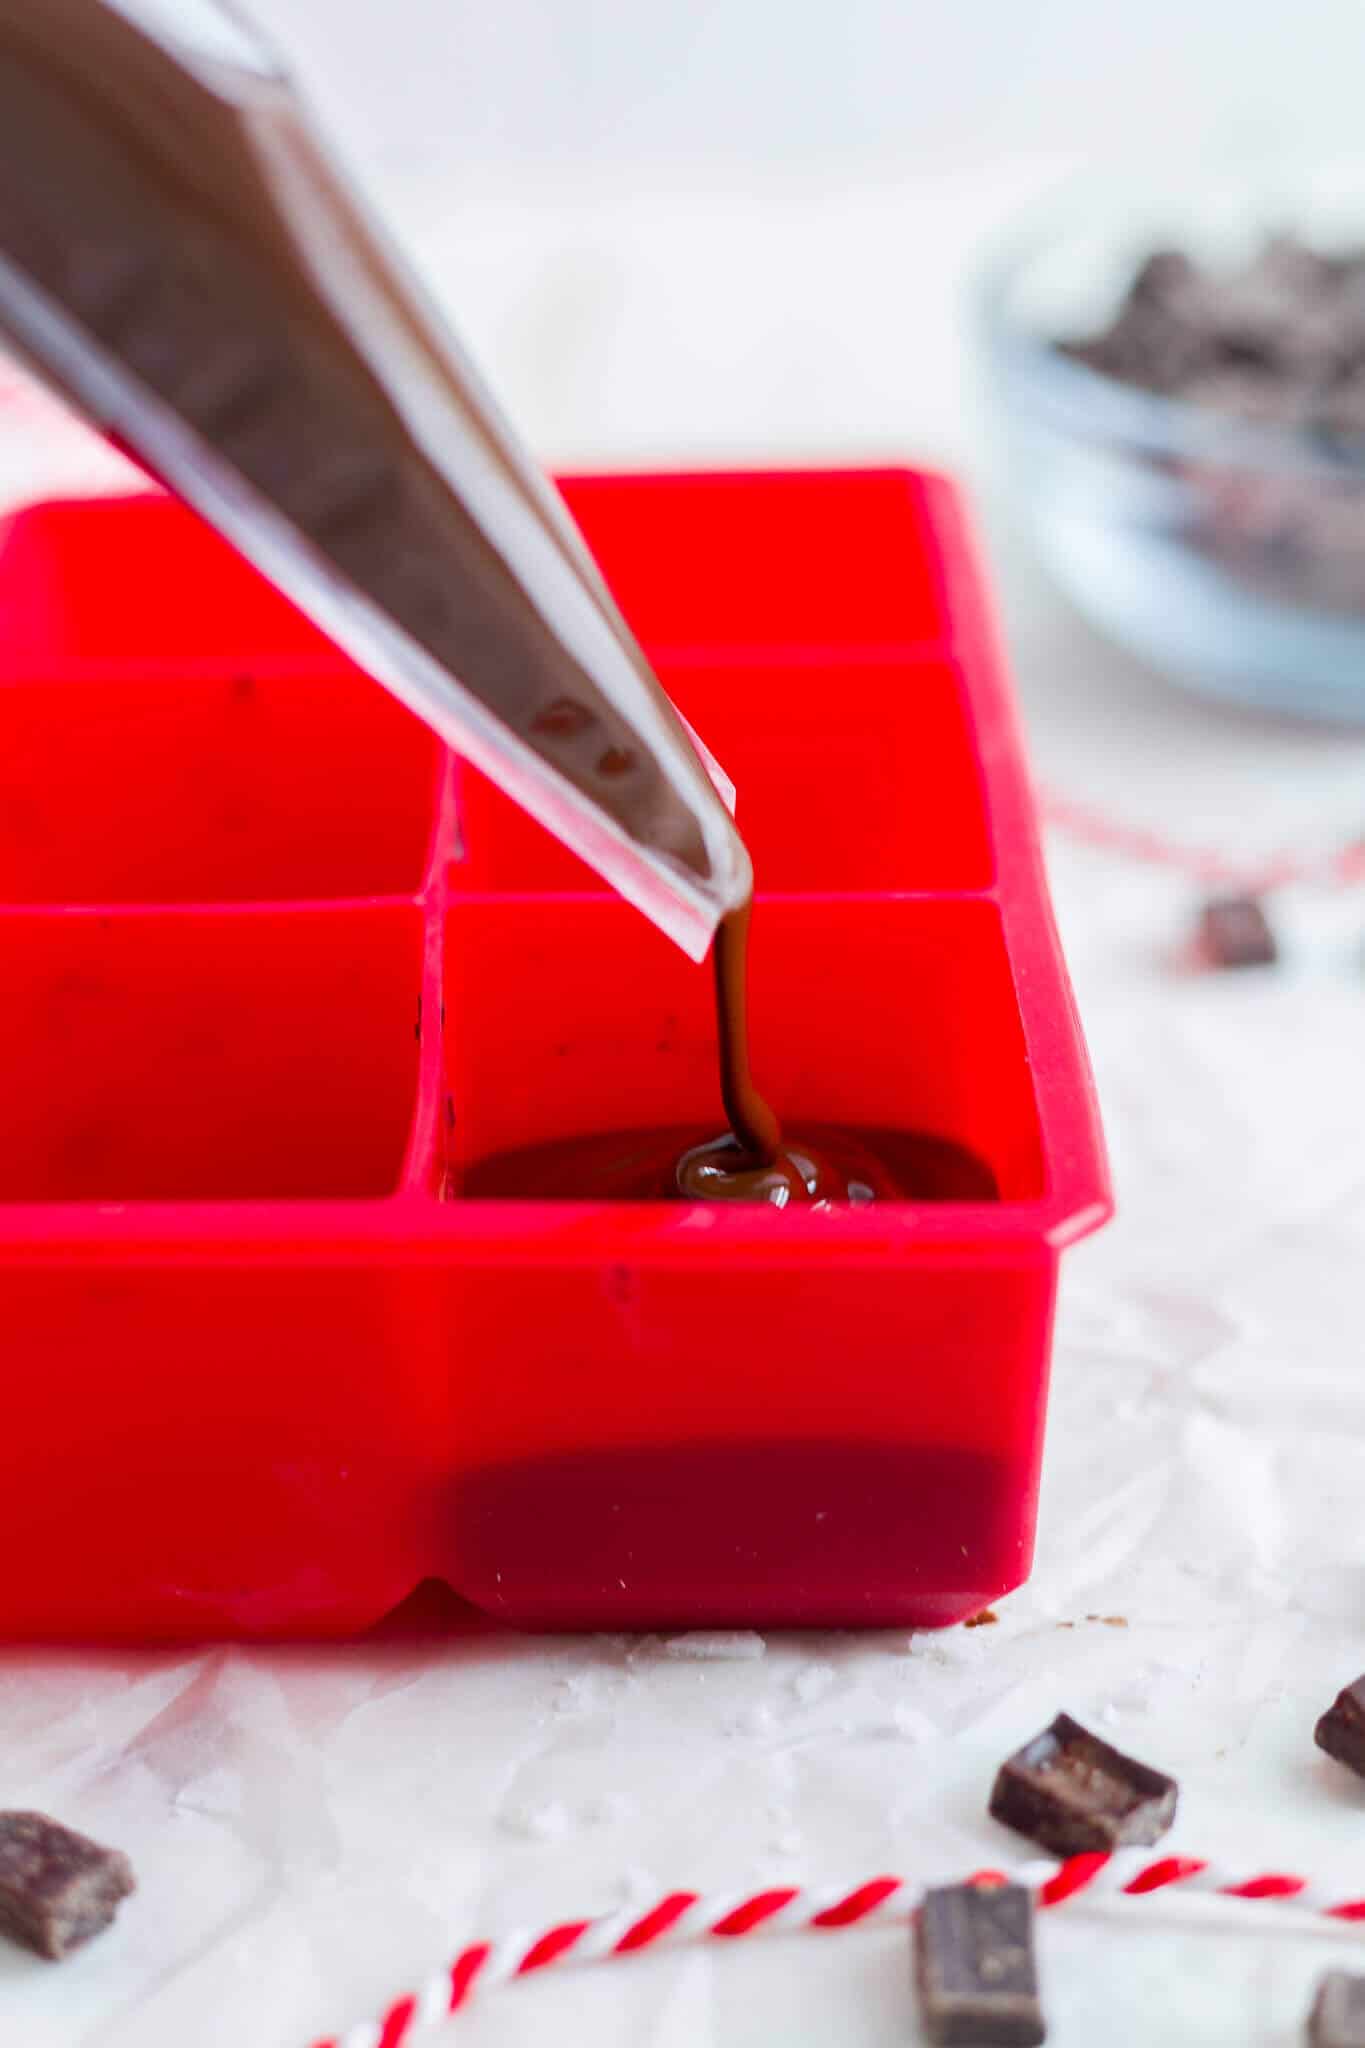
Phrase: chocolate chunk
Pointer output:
(1341, 1730)
(56, 1888)
(1235, 932)
(1154, 346)
(1162, 276)
(1337, 2019)
(1265, 317)
(974, 1968)
(1070, 1793)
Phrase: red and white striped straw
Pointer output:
(1339, 868)
(689, 1917)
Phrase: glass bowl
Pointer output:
(1228, 552)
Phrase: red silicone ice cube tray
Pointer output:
(277, 970)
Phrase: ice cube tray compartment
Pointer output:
(840, 560)
(137, 580)
(570, 1016)
(211, 786)
(234, 758)
(852, 774)
(268, 1367)
(175, 1057)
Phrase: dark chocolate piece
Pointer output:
(974, 1968)
(1337, 2019)
(1072, 1793)
(1235, 932)
(57, 1888)
(1341, 1730)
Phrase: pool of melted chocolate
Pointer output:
(833, 1163)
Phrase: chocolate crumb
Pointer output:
(1341, 1730)
(57, 1888)
(986, 1619)
(1234, 931)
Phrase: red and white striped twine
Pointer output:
(688, 1917)
(1343, 868)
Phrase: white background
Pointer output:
(460, 85)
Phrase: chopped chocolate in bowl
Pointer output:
(1276, 344)
(1291, 323)
(1181, 405)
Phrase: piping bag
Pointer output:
(181, 259)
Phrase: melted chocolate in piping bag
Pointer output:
(179, 257)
